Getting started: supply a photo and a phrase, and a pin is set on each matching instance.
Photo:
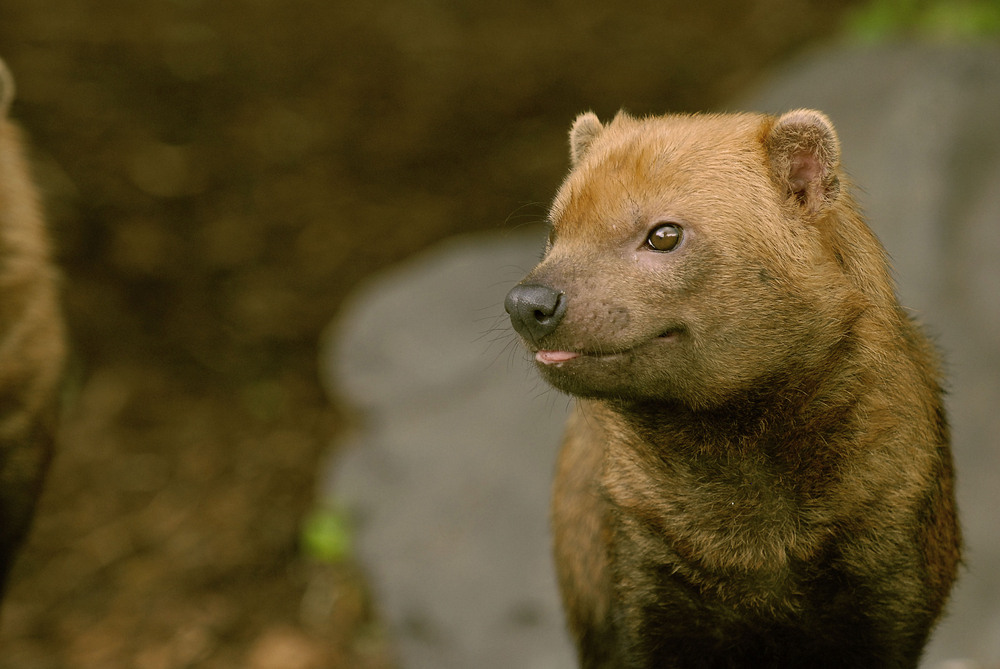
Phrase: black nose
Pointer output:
(535, 311)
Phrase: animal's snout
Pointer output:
(535, 310)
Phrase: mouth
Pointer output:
(557, 358)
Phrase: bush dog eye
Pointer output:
(664, 237)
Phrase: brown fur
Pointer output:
(32, 347)
(757, 472)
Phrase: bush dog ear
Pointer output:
(804, 152)
(585, 130)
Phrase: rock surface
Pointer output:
(448, 471)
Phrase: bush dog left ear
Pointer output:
(804, 152)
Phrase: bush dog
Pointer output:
(32, 344)
(757, 472)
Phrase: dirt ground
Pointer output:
(218, 176)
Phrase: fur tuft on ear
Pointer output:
(805, 152)
(585, 130)
(6, 88)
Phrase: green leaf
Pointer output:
(950, 20)
(326, 535)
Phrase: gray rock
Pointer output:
(449, 472)
(449, 469)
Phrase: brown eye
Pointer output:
(664, 237)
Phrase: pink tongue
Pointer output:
(553, 357)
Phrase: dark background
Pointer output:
(218, 176)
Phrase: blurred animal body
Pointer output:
(32, 340)
(758, 471)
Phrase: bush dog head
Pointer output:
(690, 257)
